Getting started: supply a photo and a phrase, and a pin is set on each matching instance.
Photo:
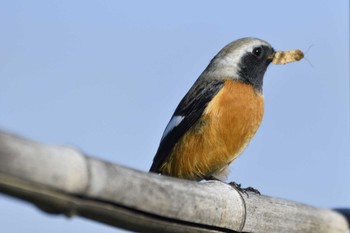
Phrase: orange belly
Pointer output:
(228, 123)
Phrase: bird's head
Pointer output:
(244, 60)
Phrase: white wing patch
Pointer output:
(175, 121)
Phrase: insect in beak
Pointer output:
(283, 57)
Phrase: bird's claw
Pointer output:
(244, 190)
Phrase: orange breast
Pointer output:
(228, 123)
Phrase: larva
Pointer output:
(283, 57)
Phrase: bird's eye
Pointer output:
(257, 52)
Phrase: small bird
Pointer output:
(220, 114)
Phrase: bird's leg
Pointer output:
(236, 186)
(244, 190)
(253, 190)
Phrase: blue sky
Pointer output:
(106, 76)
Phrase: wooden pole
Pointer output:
(62, 180)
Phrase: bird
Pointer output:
(219, 115)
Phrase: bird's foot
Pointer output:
(236, 186)
(244, 190)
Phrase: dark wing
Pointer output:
(186, 115)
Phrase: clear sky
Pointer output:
(106, 76)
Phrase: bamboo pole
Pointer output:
(62, 180)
